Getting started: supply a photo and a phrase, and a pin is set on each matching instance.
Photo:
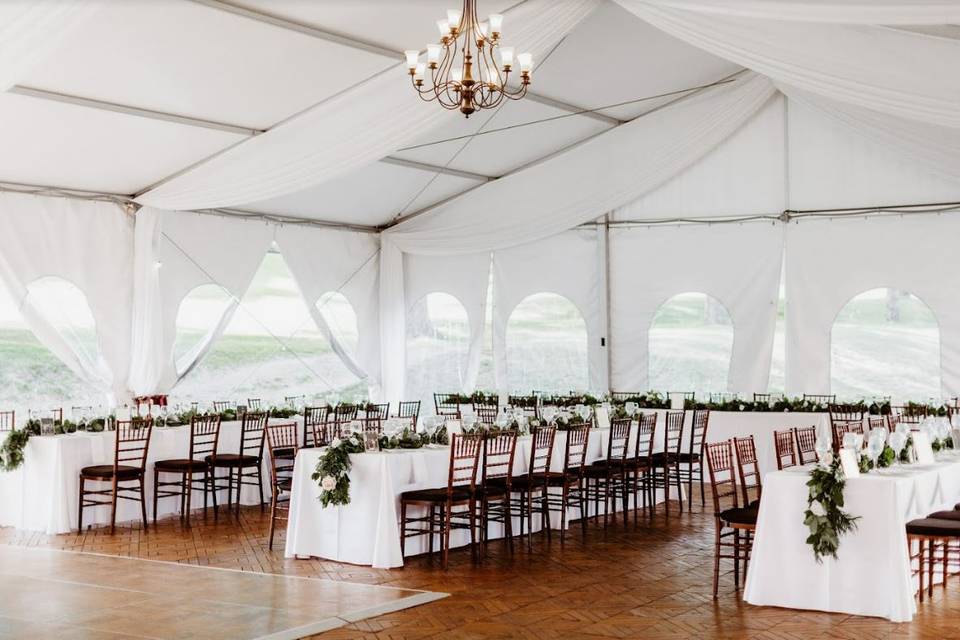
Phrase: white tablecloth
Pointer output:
(42, 494)
(871, 575)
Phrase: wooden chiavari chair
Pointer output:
(345, 413)
(731, 521)
(247, 463)
(786, 453)
(845, 412)
(762, 397)
(282, 440)
(374, 415)
(640, 466)
(693, 457)
(219, 406)
(724, 396)
(608, 477)
(878, 422)
(315, 433)
(253, 404)
(532, 486)
(441, 503)
(748, 468)
(520, 402)
(447, 404)
(841, 428)
(624, 396)
(130, 448)
(667, 462)
(410, 410)
(910, 414)
(57, 415)
(204, 437)
(495, 487)
(820, 398)
(570, 480)
(487, 413)
(8, 421)
(806, 438)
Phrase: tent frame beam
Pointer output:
(432, 168)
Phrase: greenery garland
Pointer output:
(11, 452)
(824, 515)
(333, 470)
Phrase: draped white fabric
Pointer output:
(356, 127)
(831, 261)
(566, 264)
(88, 244)
(896, 72)
(466, 278)
(188, 250)
(902, 12)
(739, 265)
(591, 179)
(30, 31)
(327, 260)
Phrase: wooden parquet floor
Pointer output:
(650, 582)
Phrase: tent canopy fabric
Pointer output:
(239, 125)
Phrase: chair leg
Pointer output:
(736, 557)
(445, 541)
(563, 514)
(920, 567)
(508, 524)
(583, 508)
(213, 494)
(260, 484)
(188, 488)
(679, 488)
(432, 525)
(930, 568)
(625, 498)
(703, 493)
(273, 520)
(545, 513)
(666, 489)
(113, 508)
(80, 507)
(143, 502)
(716, 559)
(474, 547)
(156, 481)
(689, 480)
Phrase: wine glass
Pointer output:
(822, 448)
(550, 414)
(631, 408)
(898, 440)
(875, 446)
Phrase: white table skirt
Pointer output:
(42, 494)
(367, 530)
(871, 575)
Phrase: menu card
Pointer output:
(603, 417)
(922, 448)
(849, 462)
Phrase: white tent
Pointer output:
(154, 146)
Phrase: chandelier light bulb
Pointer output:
(433, 54)
(484, 29)
(496, 23)
(412, 57)
(453, 17)
(418, 71)
(526, 62)
(506, 57)
(444, 27)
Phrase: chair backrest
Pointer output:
(372, 423)
(646, 432)
(878, 422)
(840, 428)
(345, 413)
(762, 397)
(748, 468)
(499, 448)
(619, 439)
(132, 443)
(845, 412)
(464, 459)
(575, 453)
(723, 479)
(521, 402)
(447, 404)
(323, 433)
(8, 420)
(381, 411)
(283, 443)
(221, 406)
(723, 396)
(541, 449)
(910, 414)
(312, 418)
(623, 396)
(57, 415)
(673, 434)
(806, 438)
(253, 403)
(252, 434)
(820, 398)
(786, 453)
(410, 410)
(204, 436)
(487, 413)
(698, 430)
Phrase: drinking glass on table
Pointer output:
(875, 446)
(898, 440)
(631, 408)
(822, 448)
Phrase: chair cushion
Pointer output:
(946, 515)
(105, 471)
(181, 465)
(435, 495)
(233, 460)
(689, 457)
(601, 470)
(740, 515)
(934, 527)
(662, 456)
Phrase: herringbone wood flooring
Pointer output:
(652, 581)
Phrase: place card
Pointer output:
(677, 402)
(603, 418)
(371, 440)
(849, 462)
(922, 448)
(955, 436)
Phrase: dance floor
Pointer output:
(50, 593)
(652, 581)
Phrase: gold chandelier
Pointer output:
(469, 69)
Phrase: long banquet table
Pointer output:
(366, 531)
(42, 494)
(871, 575)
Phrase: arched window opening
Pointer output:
(339, 315)
(690, 345)
(438, 344)
(885, 342)
(271, 349)
(199, 313)
(547, 346)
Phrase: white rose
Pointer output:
(329, 483)
(817, 508)
(335, 443)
